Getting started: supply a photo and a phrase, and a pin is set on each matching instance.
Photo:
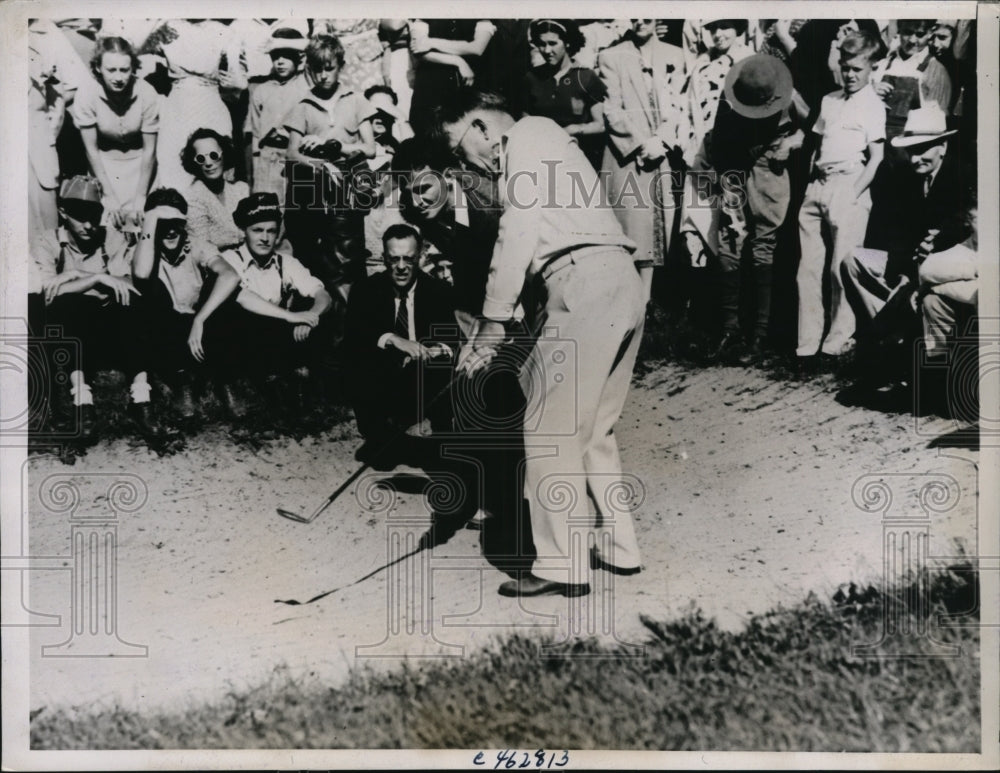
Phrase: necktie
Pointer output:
(402, 326)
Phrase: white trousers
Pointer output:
(576, 380)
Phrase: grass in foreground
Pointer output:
(788, 681)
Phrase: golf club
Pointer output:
(329, 501)
(357, 473)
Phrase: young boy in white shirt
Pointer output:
(834, 215)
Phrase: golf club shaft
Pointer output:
(357, 473)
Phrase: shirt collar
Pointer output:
(104, 95)
(66, 239)
(858, 92)
(504, 140)
(461, 206)
(410, 292)
(249, 261)
(338, 95)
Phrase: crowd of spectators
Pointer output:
(208, 198)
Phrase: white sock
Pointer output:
(79, 389)
(140, 388)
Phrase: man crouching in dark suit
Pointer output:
(401, 336)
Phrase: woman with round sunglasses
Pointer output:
(201, 61)
(211, 197)
(571, 96)
(118, 117)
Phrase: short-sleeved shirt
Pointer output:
(344, 112)
(848, 124)
(54, 252)
(566, 100)
(270, 102)
(118, 131)
(184, 281)
(274, 281)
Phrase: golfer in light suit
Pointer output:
(556, 233)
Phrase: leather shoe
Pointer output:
(597, 563)
(530, 585)
(729, 348)
(234, 405)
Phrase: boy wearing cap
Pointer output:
(171, 270)
(270, 102)
(850, 132)
(80, 272)
(272, 337)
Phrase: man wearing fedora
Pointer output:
(925, 211)
(756, 129)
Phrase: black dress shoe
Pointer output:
(596, 563)
(530, 585)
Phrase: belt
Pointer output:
(570, 257)
(824, 171)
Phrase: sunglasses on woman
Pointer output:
(212, 155)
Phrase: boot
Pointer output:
(146, 421)
(185, 396)
(762, 285)
(234, 404)
(729, 344)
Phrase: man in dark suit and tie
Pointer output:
(923, 210)
(401, 335)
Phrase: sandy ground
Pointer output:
(748, 505)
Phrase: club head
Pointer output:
(292, 516)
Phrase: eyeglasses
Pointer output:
(393, 259)
(212, 155)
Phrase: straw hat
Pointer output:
(923, 126)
